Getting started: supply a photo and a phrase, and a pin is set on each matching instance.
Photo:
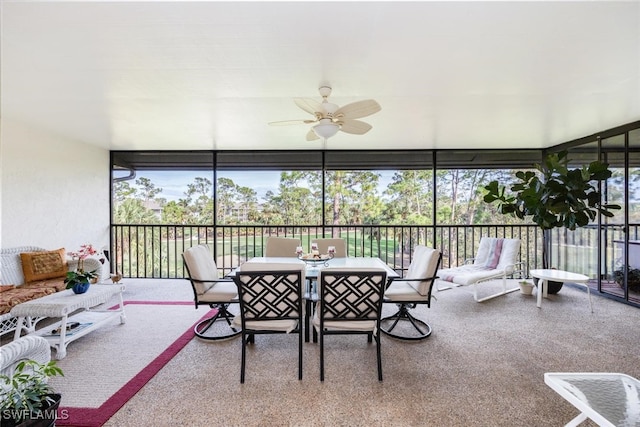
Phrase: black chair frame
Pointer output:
(253, 293)
(222, 312)
(403, 314)
(350, 312)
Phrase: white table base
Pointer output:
(545, 275)
(69, 307)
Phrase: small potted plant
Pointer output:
(78, 279)
(26, 398)
(526, 288)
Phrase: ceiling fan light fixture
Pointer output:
(326, 129)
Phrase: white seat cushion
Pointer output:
(219, 292)
(268, 325)
(402, 291)
(355, 325)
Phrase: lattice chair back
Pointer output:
(269, 291)
(351, 294)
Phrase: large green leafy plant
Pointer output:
(26, 393)
(556, 196)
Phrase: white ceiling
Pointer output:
(211, 75)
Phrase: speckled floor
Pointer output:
(483, 366)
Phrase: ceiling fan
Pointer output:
(330, 118)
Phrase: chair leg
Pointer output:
(379, 355)
(299, 355)
(223, 313)
(307, 317)
(422, 328)
(243, 358)
(321, 356)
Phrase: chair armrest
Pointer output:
(519, 267)
(210, 280)
(469, 261)
(418, 279)
(27, 347)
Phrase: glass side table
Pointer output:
(609, 399)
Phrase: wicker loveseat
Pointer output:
(14, 289)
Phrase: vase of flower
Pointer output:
(80, 288)
(79, 280)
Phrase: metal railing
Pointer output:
(155, 251)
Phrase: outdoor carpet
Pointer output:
(105, 368)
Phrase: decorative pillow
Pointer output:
(43, 265)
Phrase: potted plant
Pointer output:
(26, 398)
(556, 196)
(78, 279)
(633, 278)
(526, 288)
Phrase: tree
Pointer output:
(556, 196)
(200, 200)
(149, 190)
(410, 197)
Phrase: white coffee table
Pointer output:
(609, 399)
(547, 274)
(69, 307)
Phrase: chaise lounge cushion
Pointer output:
(43, 265)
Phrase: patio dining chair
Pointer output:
(496, 259)
(339, 244)
(270, 297)
(350, 302)
(209, 289)
(410, 291)
(281, 247)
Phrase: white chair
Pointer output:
(496, 259)
(409, 291)
(270, 297)
(28, 347)
(209, 289)
(350, 302)
(339, 244)
(281, 247)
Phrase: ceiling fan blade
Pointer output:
(355, 127)
(311, 135)
(291, 122)
(358, 109)
(309, 105)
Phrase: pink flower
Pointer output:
(84, 252)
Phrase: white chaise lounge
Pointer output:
(496, 259)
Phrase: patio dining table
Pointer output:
(312, 272)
